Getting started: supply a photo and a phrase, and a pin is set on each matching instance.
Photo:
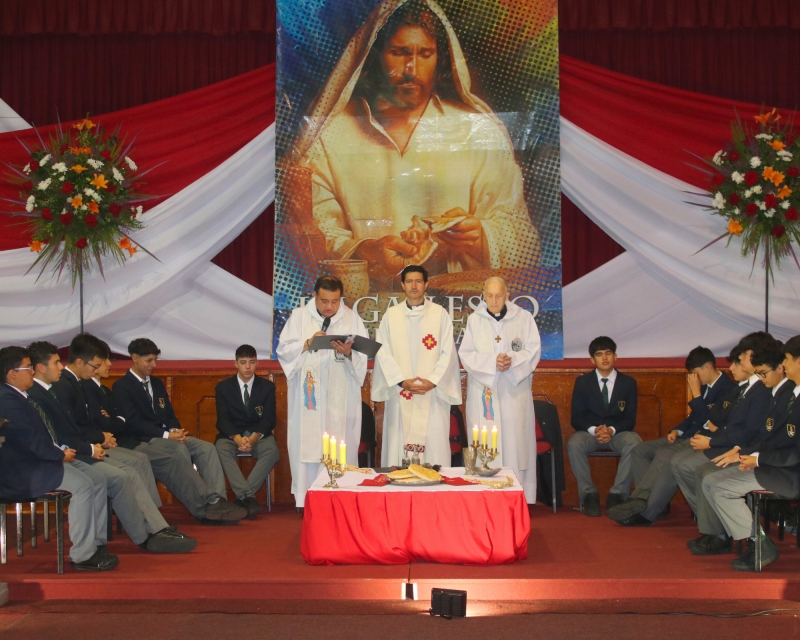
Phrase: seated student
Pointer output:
(245, 420)
(654, 484)
(32, 464)
(603, 416)
(741, 422)
(143, 401)
(131, 501)
(771, 462)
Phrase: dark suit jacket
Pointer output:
(233, 418)
(30, 464)
(67, 430)
(745, 419)
(778, 467)
(768, 435)
(547, 415)
(587, 403)
(721, 411)
(144, 421)
(70, 395)
(701, 407)
(99, 399)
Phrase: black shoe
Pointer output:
(624, 511)
(591, 505)
(98, 562)
(695, 541)
(712, 546)
(168, 542)
(224, 511)
(747, 562)
(613, 500)
(636, 520)
(251, 505)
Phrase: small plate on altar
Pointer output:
(487, 473)
(414, 482)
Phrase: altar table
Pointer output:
(473, 525)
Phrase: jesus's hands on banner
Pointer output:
(465, 236)
(387, 255)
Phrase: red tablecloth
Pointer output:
(474, 526)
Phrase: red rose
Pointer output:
(793, 171)
(751, 209)
(733, 156)
(67, 187)
(34, 165)
(66, 218)
(791, 214)
(111, 188)
(90, 220)
(46, 214)
(106, 154)
(114, 209)
(81, 243)
(717, 179)
(734, 199)
(751, 178)
(771, 201)
(778, 231)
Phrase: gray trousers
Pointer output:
(129, 498)
(582, 443)
(690, 469)
(264, 450)
(171, 462)
(652, 475)
(141, 465)
(725, 492)
(87, 511)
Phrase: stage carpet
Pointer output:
(571, 558)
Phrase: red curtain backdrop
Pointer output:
(76, 56)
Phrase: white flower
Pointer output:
(94, 164)
(757, 189)
(117, 175)
(719, 201)
(717, 160)
(755, 161)
(785, 204)
(44, 160)
(27, 168)
(737, 177)
(736, 210)
(29, 205)
(785, 155)
(761, 206)
(769, 213)
(43, 185)
(139, 210)
(131, 163)
(61, 178)
(60, 167)
(748, 193)
(83, 207)
(763, 136)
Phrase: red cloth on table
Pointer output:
(386, 527)
(382, 480)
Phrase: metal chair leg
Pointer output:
(553, 476)
(46, 521)
(109, 522)
(19, 529)
(781, 520)
(757, 531)
(33, 525)
(766, 509)
(60, 532)
(3, 535)
(269, 492)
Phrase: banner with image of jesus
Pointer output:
(419, 132)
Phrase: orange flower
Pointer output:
(93, 208)
(765, 117)
(777, 145)
(77, 201)
(734, 227)
(131, 250)
(80, 151)
(776, 177)
(784, 192)
(84, 124)
(78, 168)
(124, 243)
(99, 181)
(36, 246)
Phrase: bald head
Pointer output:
(495, 293)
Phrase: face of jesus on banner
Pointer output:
(409, 64)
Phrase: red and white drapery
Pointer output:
(625, 162)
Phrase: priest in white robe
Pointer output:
(416, 374)
(500, 351)
(324, 386)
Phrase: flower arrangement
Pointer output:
(80, 198)
(755, 186)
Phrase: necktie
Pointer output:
(45, 419)
(246, 395)
(147, 391)
(326, 323)
(743, 391)
(605, 391)
(52, 393)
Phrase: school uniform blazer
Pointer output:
(67, 431)
(768, 436)
(233, 418)
(70, 395)
(30, 464)
(144, 421)
(99, 399)
(743, 423)
(587, 403)
(700, 407)
(721, 411)
(778, 467)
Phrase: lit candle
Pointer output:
(494, 438)
(326, 443)
(484, 436)
(475, 435)
(343, 452)
(333, 449)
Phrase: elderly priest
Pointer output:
(500, 350)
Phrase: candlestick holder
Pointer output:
(335, 471)
(470, 456)
(486, 455)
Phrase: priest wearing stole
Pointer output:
(416, 374)
(500, 351)
(324, 386)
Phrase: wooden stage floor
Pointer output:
(571, 557)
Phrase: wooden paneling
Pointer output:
(662, 405)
